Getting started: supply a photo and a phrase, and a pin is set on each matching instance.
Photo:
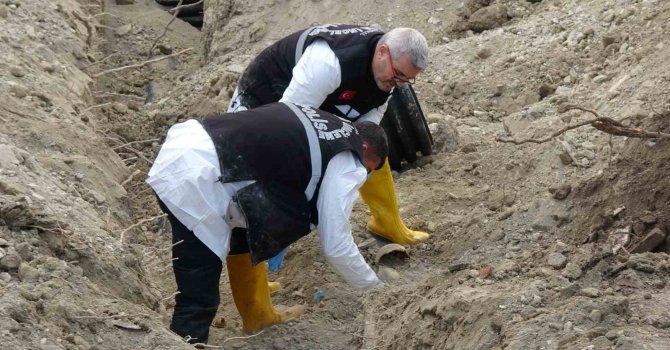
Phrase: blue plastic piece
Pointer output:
(276, 262)
(318, 296)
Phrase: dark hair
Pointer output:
(375, 137)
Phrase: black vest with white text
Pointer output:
(286, 149)
(270, 73)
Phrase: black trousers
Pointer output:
(197, 271)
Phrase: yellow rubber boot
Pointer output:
(378, 192)
(251, 293)
(274, 287)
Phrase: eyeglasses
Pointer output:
(396, 73)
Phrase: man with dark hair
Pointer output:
(243, 186)
(350, 71)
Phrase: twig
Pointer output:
(174, 16)
(187, 6)
(130, 178)
(100, 61)
(96, 106)
(114, 316)
(138, 153)
(205, 346)
(107, 94)
(170, 296)
(604, 124)
(104, 14)
(53, 111)
(134, 142)
(140, 65)
(139, 223)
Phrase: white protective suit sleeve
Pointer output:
(339, 190)
(316, 76)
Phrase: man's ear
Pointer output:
(365, 147)
(381, 50)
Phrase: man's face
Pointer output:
(390, 71)
(370, 160)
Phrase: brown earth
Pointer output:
(532, 246)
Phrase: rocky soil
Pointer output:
(553, 245)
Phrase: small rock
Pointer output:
(6, 277)
(649, 219)
(164, 49)
(567, 326)
(572, 271)
(124, 29)
(28, 273)
(458, 267)
(561, 192)
(488, 18)
(97, 197)
(4, 12)
(647, 296)
(650, 241)
(563, 91)
(557, 260)
(388, 274)
(611, 335)
(120, 107)
(125, 2)
(48, 67)
(484, 53)
(497, 235)
(600, 79)
(507, 213)
(434, 21)
(537, 301)
(639, 228)
(17, 71)
(591, 292)
(11, 261)
(4, 243)
(280, 344)
(596, 315)
(574, 38)
(19, 91)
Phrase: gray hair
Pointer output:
(407, 41)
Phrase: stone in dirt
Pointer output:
(17, 71)
(388, 274)
(557, 260)
(125, 2)
(560, 192)
(591, 292)
(650, 241)
(488, 18)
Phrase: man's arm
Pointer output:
(338, 192)
(316, 76)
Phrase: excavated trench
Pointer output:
(527, 243)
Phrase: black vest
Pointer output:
(269, 74)
(286, 149)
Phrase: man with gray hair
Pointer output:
(350, 71)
